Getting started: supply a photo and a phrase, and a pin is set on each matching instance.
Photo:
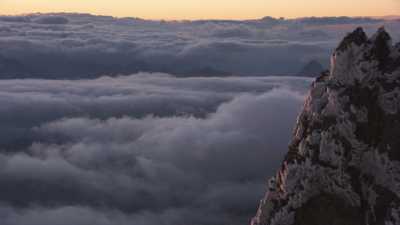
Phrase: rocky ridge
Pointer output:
(343, 165)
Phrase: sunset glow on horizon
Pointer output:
(205, 9)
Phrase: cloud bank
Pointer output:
(69, 46)
(144, 149)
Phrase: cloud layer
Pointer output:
(143, 149)
(82, 46)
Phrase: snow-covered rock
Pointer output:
(343, 165)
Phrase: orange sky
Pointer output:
(206, 9)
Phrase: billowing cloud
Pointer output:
(149, 148)
(85, 46)
(141, 149)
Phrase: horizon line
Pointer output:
(387, 17)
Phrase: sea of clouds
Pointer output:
(145, 149)
(83, 46)
(86, 138)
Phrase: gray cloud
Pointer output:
(148, 148)
(84, 46)
(142, 149)
(52, 20)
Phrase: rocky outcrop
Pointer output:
(343, 165)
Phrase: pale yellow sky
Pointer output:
(206, 9)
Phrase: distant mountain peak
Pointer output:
(343, 164)
(312, 69)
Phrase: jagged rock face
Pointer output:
(343, 165)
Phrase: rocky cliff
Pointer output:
(343, 165)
